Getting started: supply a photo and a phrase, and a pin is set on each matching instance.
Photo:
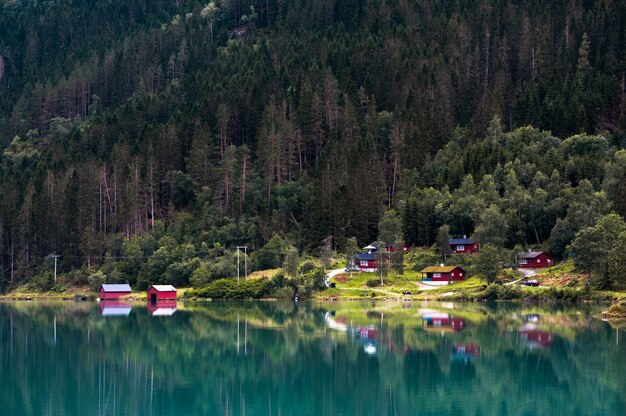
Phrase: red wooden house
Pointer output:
(110, 291)
(463, 246)
(373, 248)
(442, 274)
(535, 259)
(366, 262)
(161, 292)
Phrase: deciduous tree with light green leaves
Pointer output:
(389, 235)
(487, 262)
(592, 248)
(351, 250)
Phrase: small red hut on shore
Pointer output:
(114, 291)
(161, 292)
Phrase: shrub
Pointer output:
(307, 267)
(96, 279)
(284, 293)
(373, 283)
(271, 256)
(43, 281)
(423, 259)
(230, 289)
(500, 292)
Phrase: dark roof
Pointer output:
(532, 254)
(455, 241)
(116, 288)
(366, 256)
(439, 269)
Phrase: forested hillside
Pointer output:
(146, 139)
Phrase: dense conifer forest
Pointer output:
(144, 140)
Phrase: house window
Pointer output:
(523, 261)
(452, 274)
(363, 263)
(436, 274)
(460, 248)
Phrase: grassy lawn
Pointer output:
(563, 267)
(353, 286)
(25, 293)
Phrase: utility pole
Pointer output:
(55, 256)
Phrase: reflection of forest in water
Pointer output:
(333, 359)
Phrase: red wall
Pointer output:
(112, 295)
(539, 261)
(371, 264)
(469, 248)
(458, 275)
(161, 295)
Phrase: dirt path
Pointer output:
(526, 273)
(332, 274)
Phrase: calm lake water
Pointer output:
(269, 358)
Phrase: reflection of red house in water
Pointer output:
(472, 350)
(162, 308)
(442, 322)
(367, 333)
(536, 338)
(114, 308)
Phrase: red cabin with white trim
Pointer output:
(534, 260)
(443, 274)
(463, 246)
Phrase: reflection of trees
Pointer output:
(262, 356)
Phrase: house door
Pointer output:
(153, 297)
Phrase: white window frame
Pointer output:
(460, 247)
(523, 261)
(436, 274)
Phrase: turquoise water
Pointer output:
(269, 358)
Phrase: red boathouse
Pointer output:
(114, 291)
(160, 292)
(463, 246)
(442, 274)
(535, 259)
